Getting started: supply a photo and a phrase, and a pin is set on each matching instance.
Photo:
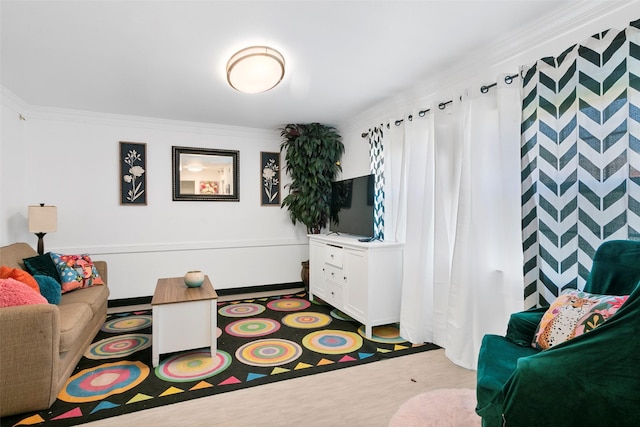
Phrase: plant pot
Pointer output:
(304, 274)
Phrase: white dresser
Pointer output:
(361, 279)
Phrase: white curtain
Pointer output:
(456, 204)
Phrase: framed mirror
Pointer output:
(204, 174)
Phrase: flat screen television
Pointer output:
(352, 206)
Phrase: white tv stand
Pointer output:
(361, 279)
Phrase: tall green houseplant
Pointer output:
(313, 153)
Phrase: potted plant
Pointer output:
(312, 153)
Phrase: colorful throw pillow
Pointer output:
(20, 276)
(14, 293)
(76, 271)
(572, 314)
(42, 265)
(49, 288)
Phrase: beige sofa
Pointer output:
(41, 344)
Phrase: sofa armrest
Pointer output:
(522, 326)
(101, 266)
(29, 356)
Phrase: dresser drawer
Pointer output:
(334, 274)
(334, 295)
(333, 255)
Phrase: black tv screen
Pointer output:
(352, 206)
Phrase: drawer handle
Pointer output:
(331, 255)
(333, 293)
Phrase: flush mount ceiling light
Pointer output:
(255, 69)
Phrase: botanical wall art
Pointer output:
(270, 175)
(133, 168)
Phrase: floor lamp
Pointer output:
(42, 220)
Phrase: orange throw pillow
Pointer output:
(20, 276)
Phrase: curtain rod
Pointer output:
(484, 89)
(507, 79)
(421, 113)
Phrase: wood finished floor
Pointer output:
(362, 396)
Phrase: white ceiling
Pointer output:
(166, 59)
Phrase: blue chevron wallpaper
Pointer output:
(580, 152)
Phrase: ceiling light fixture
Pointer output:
(195, 167)
(255, 69)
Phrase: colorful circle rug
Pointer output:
(254, 327)
(388, 334)
(268, 352)
(192, 366)
(118, 346)
(288, 304)
(127, 324)
(245, 309)
(306, 320)
(337, 314)
(332, 342)
(102, 381)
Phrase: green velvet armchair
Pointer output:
(590, 380)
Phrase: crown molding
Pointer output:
(106, 119)
(12, 101)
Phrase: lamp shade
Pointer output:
(43, 219)
(255, 69)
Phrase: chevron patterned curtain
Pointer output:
(377, 168)
(580, 159)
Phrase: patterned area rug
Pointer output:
(259, 341)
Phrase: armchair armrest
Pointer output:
(29, 354)
(522, 326)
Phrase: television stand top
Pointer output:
(352, 240)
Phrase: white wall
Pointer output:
(71, 160)
(12, 168)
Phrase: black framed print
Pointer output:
(270, 178)
(133, 169)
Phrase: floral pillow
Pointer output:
(572, 314)
(76, 271)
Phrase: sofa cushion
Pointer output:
(73, 321)
(14, 293)
(13, 254)
(42, 265)
(572, 314)
(94, 297)
(49, 288)
(20, 276)
(76, 271)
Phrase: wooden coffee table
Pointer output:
(183, 318)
